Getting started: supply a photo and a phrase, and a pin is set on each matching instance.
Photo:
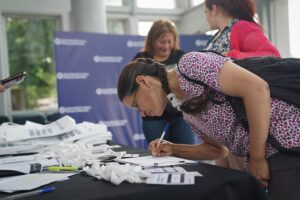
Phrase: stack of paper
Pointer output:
(32, 137)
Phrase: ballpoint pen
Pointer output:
(163, 134)
(29, 194)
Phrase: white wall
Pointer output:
(294, 16)
(193, 21)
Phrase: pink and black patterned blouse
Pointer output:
(218, 121)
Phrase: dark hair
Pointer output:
(157, 29)
(127, 84)
(142, 66)
(240, 9)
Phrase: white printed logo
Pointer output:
(74, 109)
(106, 91)
(139, 136)
(112, 123)
(199, 43)
(138, 43)
(107, 59)
(70, 42)
(61, 75)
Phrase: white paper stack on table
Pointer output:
(32, 137)
(19, 143)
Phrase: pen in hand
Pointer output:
(163, 134)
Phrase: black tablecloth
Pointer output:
(216, 183)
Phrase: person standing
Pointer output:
(162, 45)
(238, 36)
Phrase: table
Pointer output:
(216, 183)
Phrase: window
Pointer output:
(30, 49)
(115, 27)
(113, 3)
(144, 27)
(294, 16)
(196, 2)
(159, 4)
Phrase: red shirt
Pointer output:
(248, 40)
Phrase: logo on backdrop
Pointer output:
(113, 123)
(106, 91)
(72, 75)
(108, 59)
(74, 109)
(138, 43)
(200, 43)
(70, 42)
(138, 136)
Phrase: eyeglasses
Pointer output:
(134, 104)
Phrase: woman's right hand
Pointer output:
(165, 148)
(260, 170)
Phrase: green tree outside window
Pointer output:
(30, 49)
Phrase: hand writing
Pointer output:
(163, 149)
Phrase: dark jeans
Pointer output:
(285, 177)
(179, 131)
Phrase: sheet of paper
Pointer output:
(171, 179)
(31, 160)
(61, 126)
(8, 149)
(175, 169)
(30, 181)
(83, 133)
(19, 167)
(151, 161)
(16, 159)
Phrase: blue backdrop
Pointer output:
(88, 66)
